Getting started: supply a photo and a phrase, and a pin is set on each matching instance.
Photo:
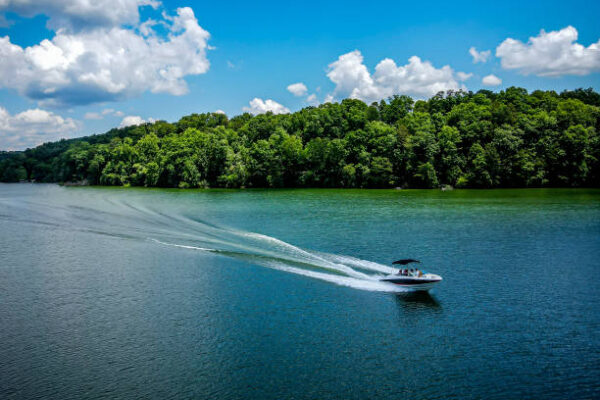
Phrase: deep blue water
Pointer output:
(128, 293)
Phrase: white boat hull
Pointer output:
(422, 283)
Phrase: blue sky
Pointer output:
(245, 51)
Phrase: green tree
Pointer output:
(511, 138)
(450, 162)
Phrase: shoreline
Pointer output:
(250, 189)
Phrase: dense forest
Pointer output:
(508, 139)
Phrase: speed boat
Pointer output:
(412, 279)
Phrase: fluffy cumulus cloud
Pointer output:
(553, 53)
(80, 14)
(260, 106)
(33, 127)
(491, 80)
(107, 62)
(479, 56)
(417, 78)
(297, 89)
(130, 120)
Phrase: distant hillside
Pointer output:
(508, 139)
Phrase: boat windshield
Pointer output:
(410, 272)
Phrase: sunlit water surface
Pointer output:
(135, 293)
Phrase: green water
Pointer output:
(271, 294)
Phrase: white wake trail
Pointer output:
(274, 253)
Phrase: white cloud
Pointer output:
(103, 113)
(219, 112)
(112, 111)
(491, 80)
(550, 54)
(260, 106)
(33, 127)
(134, 120)
(417, 78)
(106, 64)
(463, 76)
(152, 3)
(479, 56)
(80, 14)
(297, 89)
(352, 77)
(147, 27)
(312, 100)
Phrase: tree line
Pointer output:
(464, 139)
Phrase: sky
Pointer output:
(71, 68)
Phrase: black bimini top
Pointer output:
(406, 261)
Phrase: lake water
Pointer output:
(112, 293)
